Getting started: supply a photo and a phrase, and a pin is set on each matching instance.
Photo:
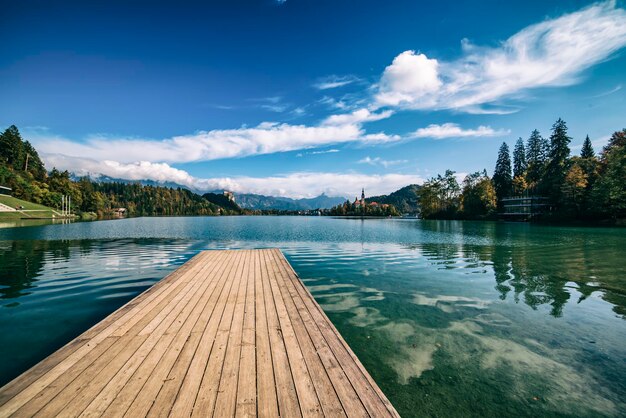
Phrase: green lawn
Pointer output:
(13, 202)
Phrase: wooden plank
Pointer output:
(307, 397)
(329, 401)
(172, 340)
(226, 402)
(230, 333)
(349, 398)
(246, 405)
(207, 392)
(28, 377)
(183, 344)
(267, 401)
(72, 390)
(177, 308)
(50, 368)
(112, 371)
(64, 365)
(190, 359)
(288, 403)
(371, 395)
(184, 403)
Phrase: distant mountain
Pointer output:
(243, 200)
(406, 199)
(256, 201)
(99, 178)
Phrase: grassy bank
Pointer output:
(30, 210)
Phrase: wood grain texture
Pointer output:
(230, 333)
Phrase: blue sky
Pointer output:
(296, 98)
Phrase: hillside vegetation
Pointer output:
(22, 170)
(25, 209)
(405, 200)
(584, 187)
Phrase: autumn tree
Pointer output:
(478, 198)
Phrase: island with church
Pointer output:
(364, 207)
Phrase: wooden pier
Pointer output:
(230, 333)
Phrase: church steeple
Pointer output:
(363, 194)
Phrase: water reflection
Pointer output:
(450, 318)
(535, 268)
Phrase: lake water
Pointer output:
(450, 318)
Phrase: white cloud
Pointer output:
(265, 138)
(409, 78)
(547, 54)
(295, 185)
(356, 117)
(328, 151)
(609, 92)
(452, 130)
(335, 81)
(278, 108)
(379, 161)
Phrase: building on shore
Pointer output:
(119, 212)
(229, 195)
(524, 208)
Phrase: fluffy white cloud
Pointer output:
(295, 185)
(265, 138)
(547, 54)
(452, 130)
(409, 78)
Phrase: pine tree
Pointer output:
(519, 159)
(535, 158)
(12, 147)
(587, 150)
(557, 167)
(609, 191)
(35, 165)
(502, 179)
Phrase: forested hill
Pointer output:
(405, 200)
(22, 170)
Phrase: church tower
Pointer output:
(363, 194)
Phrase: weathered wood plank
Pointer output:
(230, 333)
(267, 401)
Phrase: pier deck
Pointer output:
(230, 333)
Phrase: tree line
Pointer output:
(581, 187)
(350, 209)
(22, 169)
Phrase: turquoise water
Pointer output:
(450, 318)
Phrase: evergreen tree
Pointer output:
(557, 166)
(12, 148)
(535, 158)
(502, 179)
(33, 163)
(609, 191)
(587, 150)
(519, 159)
